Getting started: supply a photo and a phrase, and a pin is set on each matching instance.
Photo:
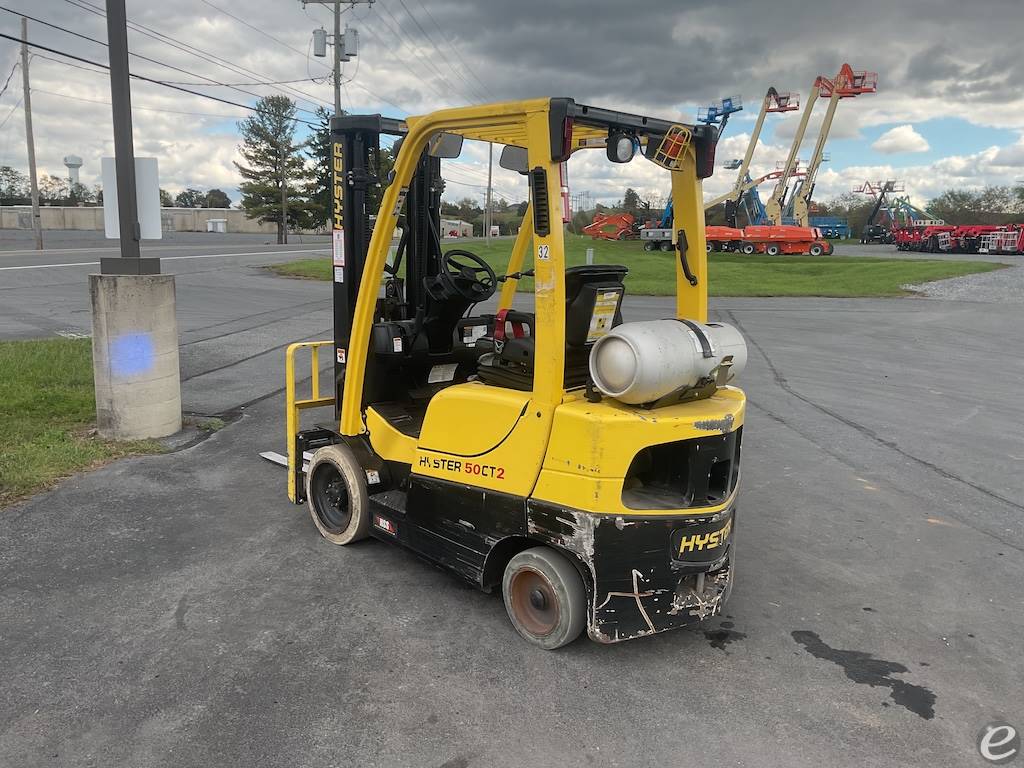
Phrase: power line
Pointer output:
(13, 110)
(224, 63)
(445, 38)
(210, 58)
(14, 68)
(441, 53)
(134, 106)
(211, 81)
(257, 29)
(143, 77)
(398, 33)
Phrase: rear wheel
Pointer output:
(545, 597)
(666, 245)
(648, 245)
(748, 248)
(816, 249)
(336, 490)
(772, 250)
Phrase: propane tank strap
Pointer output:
(705, 342)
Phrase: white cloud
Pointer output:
(902, 138)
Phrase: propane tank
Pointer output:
(641, 362)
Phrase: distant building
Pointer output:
(456, 228)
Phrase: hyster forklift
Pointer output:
(586, 466)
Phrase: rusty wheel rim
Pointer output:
(534, 602)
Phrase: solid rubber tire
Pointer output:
(567, 584)
(342, 458)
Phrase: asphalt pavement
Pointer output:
(176, 610)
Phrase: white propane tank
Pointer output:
(641, 362)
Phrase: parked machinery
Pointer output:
(717, 113)
(846, 84)
(881, 221)
(612, 226)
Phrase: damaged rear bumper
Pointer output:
(647, 574)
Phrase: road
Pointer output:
(175, 610)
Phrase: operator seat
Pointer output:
(593, 306)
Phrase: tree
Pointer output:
(190, 198)
(216, 198)
(275, 167)
(13, 187)
(79, 193)
(53, 189)
(631, 201)
(166, 199)
(321, 155)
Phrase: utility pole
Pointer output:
(284, 196)
(37, 222)
(337, 59)
(490, 170)
(345, 45)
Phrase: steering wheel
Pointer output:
(467, 275)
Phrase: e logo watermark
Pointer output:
(999, 742)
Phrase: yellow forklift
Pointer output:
(585, 466)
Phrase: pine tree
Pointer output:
(272, 158)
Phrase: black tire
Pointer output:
(336, 494)
(545, 597)
(666, 245)
(815, 249)
(748, 249)
(709, 247)
(772, 250)
(648, 245)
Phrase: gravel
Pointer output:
(1001, 286)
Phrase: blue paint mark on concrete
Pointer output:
(131, 354)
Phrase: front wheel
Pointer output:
(772, 250)
(545, 597)
(648, 245)
(815, 250)
(666, 246)
(337, 496)
(748, 249)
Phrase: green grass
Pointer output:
(47, 408)
(731, 274)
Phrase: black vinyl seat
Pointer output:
(587, 306)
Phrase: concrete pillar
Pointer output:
(135, 356)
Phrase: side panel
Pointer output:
(457, 525)
(484, 436)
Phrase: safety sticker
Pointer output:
(341, 356)
(339, 248)
(603, 316)
(471, 333)
(397, 343)
(441, 373)
(372, 477)
(401, 201)
(339, 274)
(385, 525)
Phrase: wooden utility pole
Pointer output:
(37, 222)
(283, 237)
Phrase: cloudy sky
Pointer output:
(949, 111)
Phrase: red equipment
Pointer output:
(771, 240)
(612, 226)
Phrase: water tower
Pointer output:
(73, 163)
